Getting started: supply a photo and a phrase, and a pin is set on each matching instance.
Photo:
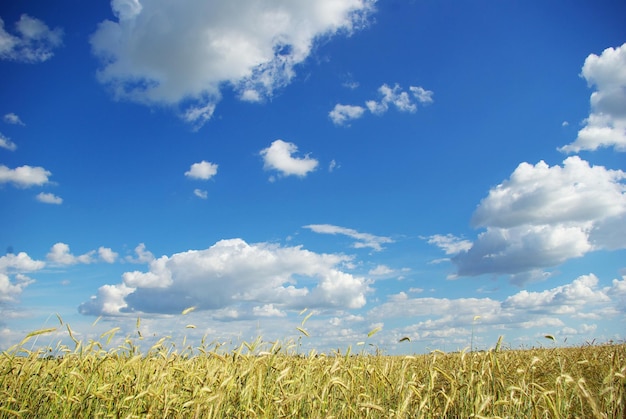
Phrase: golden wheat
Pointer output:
(263, 380)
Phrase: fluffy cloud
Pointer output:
(544, 215)
(574, 193)
(24, 176)
(203, 170)
(606, 124)
(6, 143)
(33, 42)
(582, 298)
(12, 118)
(341, 114)
(400, 99)
(279, 156)
(12, 265)
(19, 263)
(163, 52)
(49, 198)
(143, 255)
(233, 276)
(60, 254)
(362, 239)
(10, 290)
(107, 254)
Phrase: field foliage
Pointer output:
(270, 380)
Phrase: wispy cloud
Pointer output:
(202, 194)
(7, 143)
(13, 119)
(362, 239)
(33, 41)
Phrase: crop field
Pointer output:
(270, 380)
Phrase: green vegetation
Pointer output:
(270, 380)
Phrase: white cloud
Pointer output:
(362, 239)
(399, 98)
(170, 53)
(279, 156)
(10, 290)
(19, 263)
(422, 95)
(202, 194)
(267, 310)
(33, 43)
(341, 114)
(12, 265)
(574, 193)
(107, 254)
(143, 255)
(450, 243)
(203, 170)
(12, 118)
(233, 275)
(24, 176)
(381, 270)
(49, 198)
(555, 307)
(6, 143)
(60, 255)
(606, 124)
(544, 215)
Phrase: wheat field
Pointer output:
(271, 380)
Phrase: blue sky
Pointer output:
(426, 168)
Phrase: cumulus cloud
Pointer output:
(542, 216)
(341, 114)
(170, 53)
(395, 96)
(33, 41)
(362, 239)
(233, 276)
(13, 119)
(555, 307)
(11, 289)
(12, 278)
(203, 170)
(142, 255)
(49, 198)
(60, 254)
(107, 254)
(19, 263)
(279, 156)
(606, 124)
(6, 143)
(24, 176)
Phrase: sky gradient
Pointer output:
(443, 171)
